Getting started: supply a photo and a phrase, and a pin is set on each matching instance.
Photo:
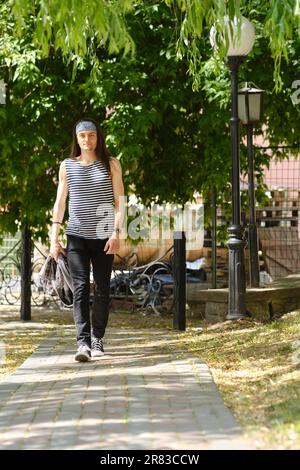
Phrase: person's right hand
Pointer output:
(55, 249)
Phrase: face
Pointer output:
(87, 140)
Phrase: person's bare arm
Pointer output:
(59, 211)
(113, 243)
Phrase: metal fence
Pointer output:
(10, 273)
(148, 287)
(278, 224)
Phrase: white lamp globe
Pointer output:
(237, 47)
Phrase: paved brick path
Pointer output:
(141, 395)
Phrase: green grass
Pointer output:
(257, 375)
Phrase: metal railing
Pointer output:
(149, 287)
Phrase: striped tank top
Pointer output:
(91, 200)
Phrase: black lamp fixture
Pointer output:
(240, 41)
(250, 103)
(250, 109)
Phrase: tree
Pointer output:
(278, 23)
(171, 140)
(36, 125)
(164, 133)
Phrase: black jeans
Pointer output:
(80, 253)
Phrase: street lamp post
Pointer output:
(250, 112)
(239, 47)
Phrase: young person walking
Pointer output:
(92, 179)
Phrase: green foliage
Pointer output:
(81, 27)
(279, 24)
(35, 128)
(75, 26)
(166, 115)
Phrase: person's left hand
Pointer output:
(112, 246)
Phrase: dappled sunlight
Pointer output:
(252, 364)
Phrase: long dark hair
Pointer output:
(102, 152)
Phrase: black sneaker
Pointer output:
(83, 353)
(97, 347)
